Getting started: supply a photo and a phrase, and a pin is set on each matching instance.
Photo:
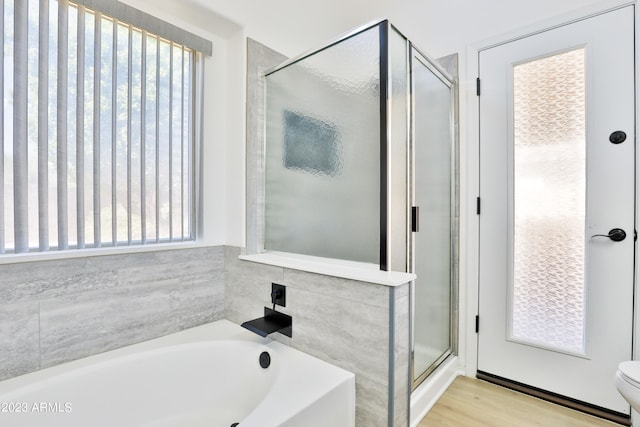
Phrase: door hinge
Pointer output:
(478, 205)
(477, 324)
(415, 219)
(478, 86)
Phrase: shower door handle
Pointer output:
(415, 219)
(615, 234)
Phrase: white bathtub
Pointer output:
(205, 376)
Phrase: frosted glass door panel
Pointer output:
(322, 165)
(433, 192)
(549, 202)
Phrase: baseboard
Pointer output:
(427, 394)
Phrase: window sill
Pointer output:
(94, 252)
(362, 272)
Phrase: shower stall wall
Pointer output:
(360, 166)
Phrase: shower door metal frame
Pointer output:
(451, 82)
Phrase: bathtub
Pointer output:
(210, 376)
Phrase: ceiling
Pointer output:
(439, 27)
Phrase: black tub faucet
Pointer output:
(272, 321)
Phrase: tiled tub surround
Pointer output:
(60, 310)
(348, 323)
(56, 311)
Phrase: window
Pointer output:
(98, 118)
(549, 197)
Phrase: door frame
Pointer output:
(470, 177)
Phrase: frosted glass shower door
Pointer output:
(433, 192)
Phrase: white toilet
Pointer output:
(628, 382)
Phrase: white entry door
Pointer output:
(557, 194)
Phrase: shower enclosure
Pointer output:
(360, 165)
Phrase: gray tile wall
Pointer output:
(260, 58)
(402, 348)
(344, 322)
(56, 311)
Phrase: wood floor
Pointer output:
(473, 403)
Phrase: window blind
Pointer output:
(98, 127)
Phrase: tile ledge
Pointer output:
(362, 272)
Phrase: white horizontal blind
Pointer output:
(97, 140)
